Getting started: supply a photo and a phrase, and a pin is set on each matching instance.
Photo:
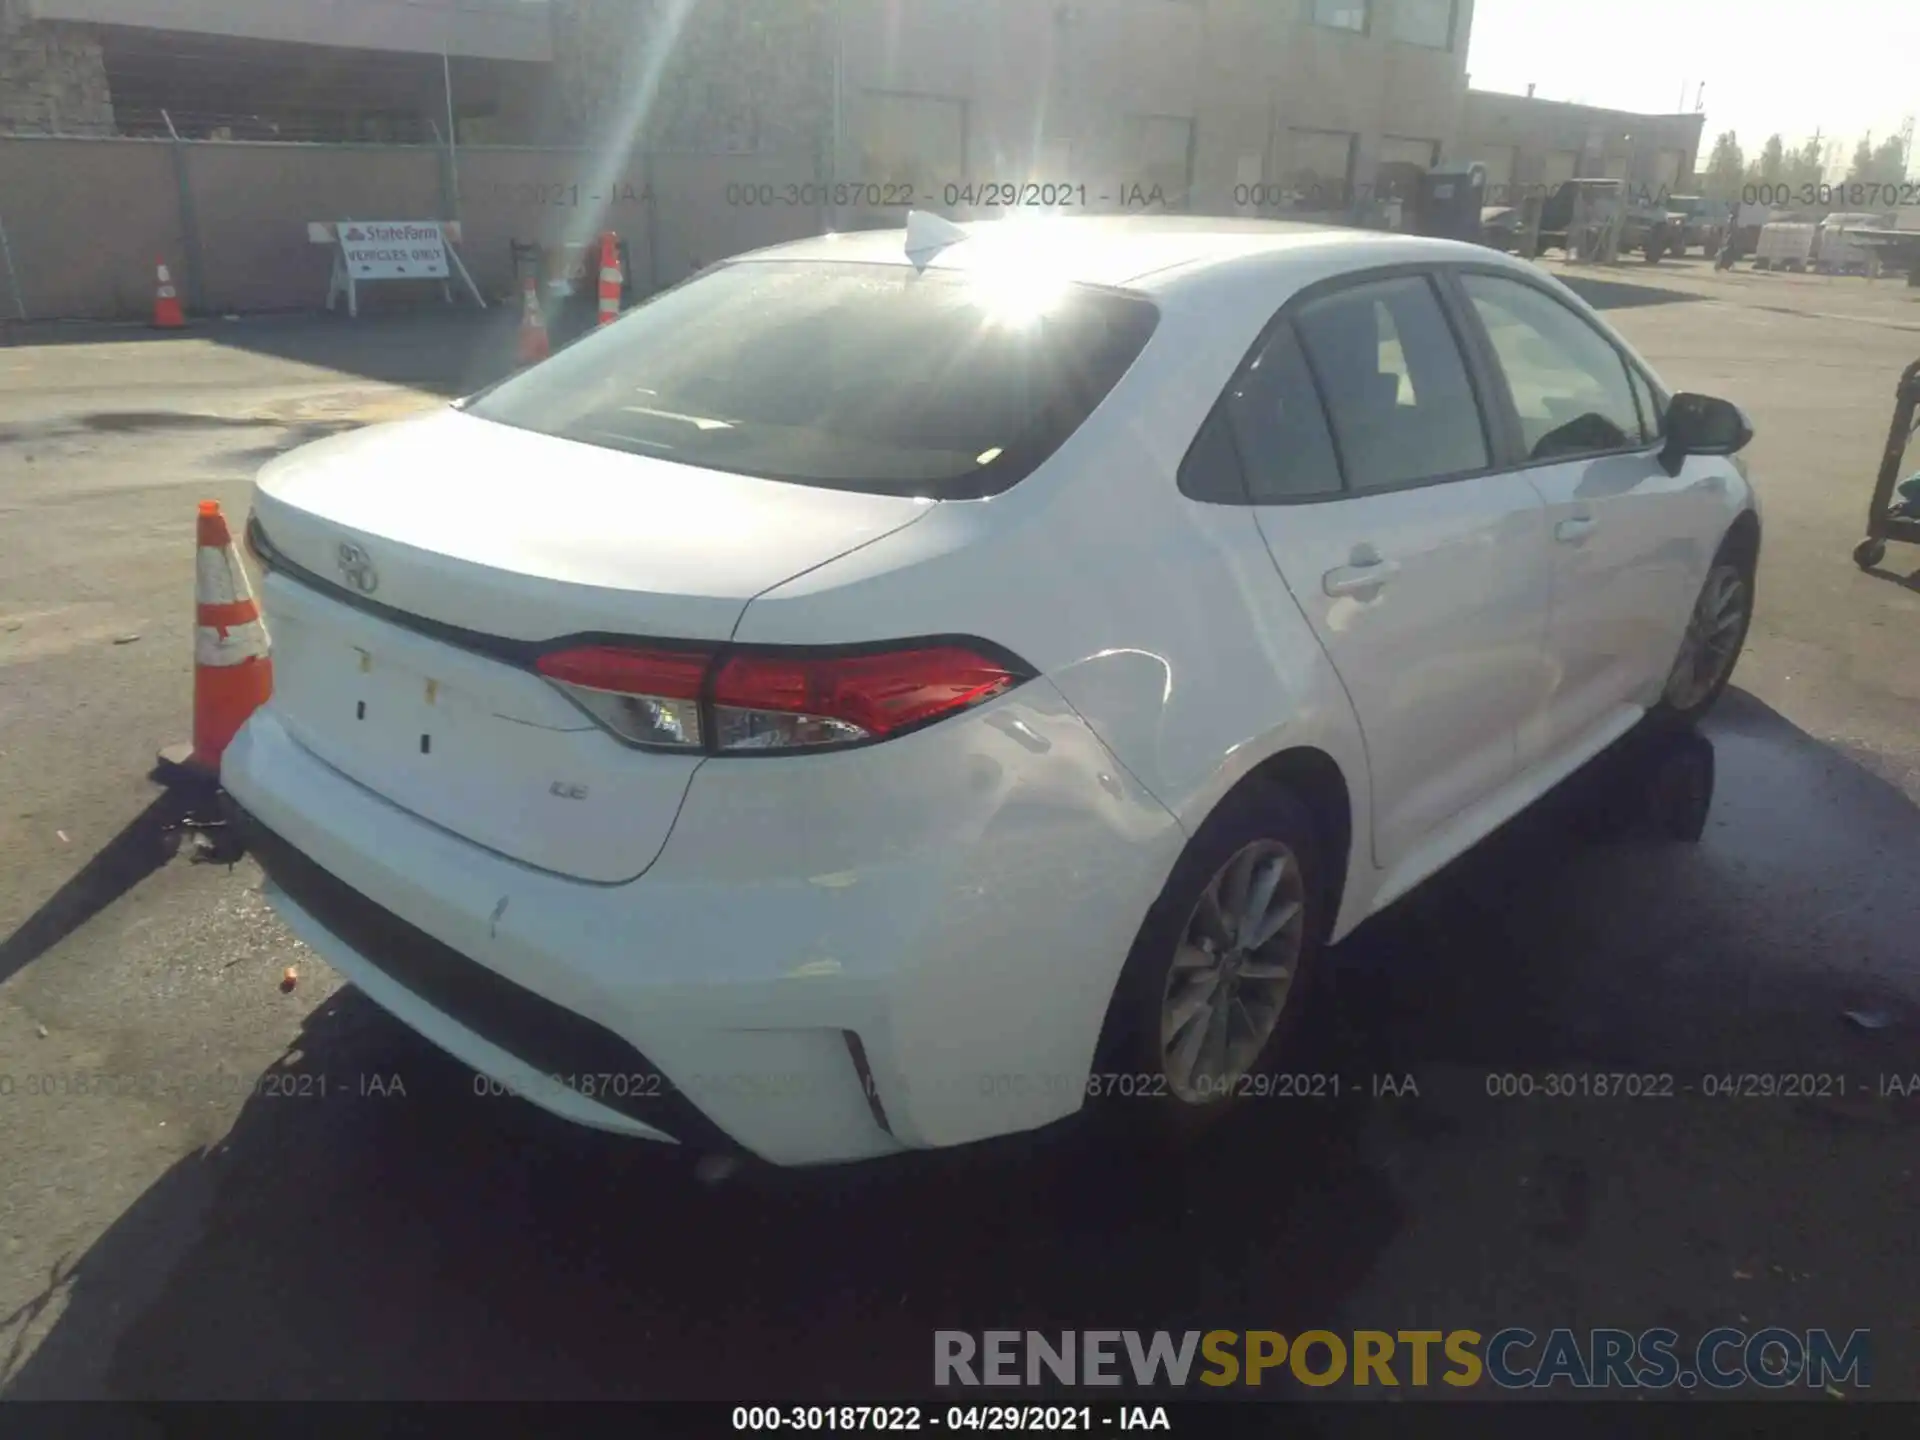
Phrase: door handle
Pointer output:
(1357, 579)
(1573, 531)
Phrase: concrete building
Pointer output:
(1249, 105)
(1252, 105)
(267, 69)
(1526, 143)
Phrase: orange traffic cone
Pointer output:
(533, 325)
(167, 314)
(610, 278)
(232, 669)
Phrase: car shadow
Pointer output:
(373, 1227)
(1543, 947)
(448, 352)
(1620, 294)
(403, 1237)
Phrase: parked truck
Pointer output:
(1703, 223)
(1800, 244)
(1644, 226)
(1836, 253)
(1786, 245)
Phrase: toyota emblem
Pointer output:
(357, 566)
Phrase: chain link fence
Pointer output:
(84, 220)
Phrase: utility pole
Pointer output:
(453, 124)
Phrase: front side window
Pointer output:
(1569, 384)
(1341, 14)
(1396, 387)
(1424, 22)
(847, 376)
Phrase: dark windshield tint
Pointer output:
(855, 377)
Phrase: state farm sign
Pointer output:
(394, 250)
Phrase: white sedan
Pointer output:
(897, 688)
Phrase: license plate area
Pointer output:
(479, 747)
(430, 727)
(400, 706)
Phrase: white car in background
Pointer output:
(860, 703)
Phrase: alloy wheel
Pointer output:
(1712, 640)
(1233, 972)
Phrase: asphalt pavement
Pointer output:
(212, 1186)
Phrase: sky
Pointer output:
(1843, 67)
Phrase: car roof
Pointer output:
(1139, 252)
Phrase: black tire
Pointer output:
(1739, 555)
(1131, 1081)
(1869, 553)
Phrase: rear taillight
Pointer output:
(765, 700)
(648, 697)
(771, 702)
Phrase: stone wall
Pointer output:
(737, 76)
(53, 78)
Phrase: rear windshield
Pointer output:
(854, 377)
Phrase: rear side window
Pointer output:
(1279, 426)
(1211, 471)
(1403, 409)
(1569, 384)
(852, 377)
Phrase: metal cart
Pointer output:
(1882, 524)
(566, 271)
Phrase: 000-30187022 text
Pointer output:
(1083, 1419)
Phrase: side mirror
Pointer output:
(1703, 425)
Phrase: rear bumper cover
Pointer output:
(565, 1048)
(834, 957)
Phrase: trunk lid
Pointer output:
(481, 542)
